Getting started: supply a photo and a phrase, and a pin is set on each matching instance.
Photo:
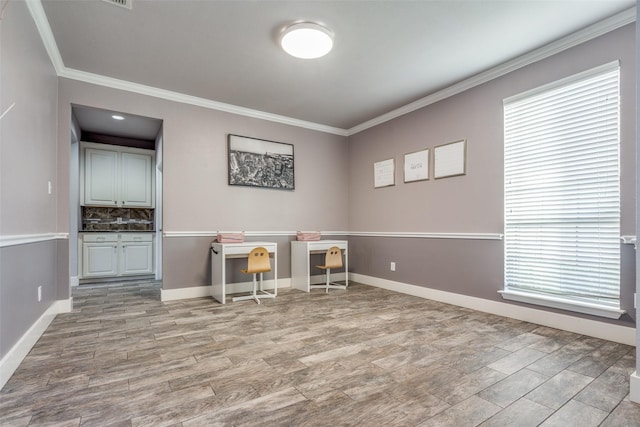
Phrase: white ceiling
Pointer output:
(387, 54)
(100, 121)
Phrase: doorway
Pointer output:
(134, 144)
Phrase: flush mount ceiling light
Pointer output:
(307, 40)
(116, 117)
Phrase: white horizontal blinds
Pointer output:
(562, 190)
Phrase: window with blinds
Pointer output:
(562, 194)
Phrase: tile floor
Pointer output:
(360, 357)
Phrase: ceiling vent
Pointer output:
(122, 3)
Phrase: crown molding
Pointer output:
(596, 30)
(42, 23)
(37, 12)
(113, 83)
(40, 19)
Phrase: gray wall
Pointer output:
(22, 269)
(472, 203)
(196, 196)
(637, 254)
(27, 163)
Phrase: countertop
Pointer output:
(116, 231)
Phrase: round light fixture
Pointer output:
(307, 40)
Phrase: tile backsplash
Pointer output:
(116, 219)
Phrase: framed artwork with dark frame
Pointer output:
(256, 162)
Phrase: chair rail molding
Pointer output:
(396, 234)
(22, 239)
(428, 235)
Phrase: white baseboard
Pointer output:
(205, 291)
(64, 305)
(634, 387)
(185, 293)
(19, 351)
(592, 328)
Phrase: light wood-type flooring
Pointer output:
(357, 357)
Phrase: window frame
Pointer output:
(531, 293)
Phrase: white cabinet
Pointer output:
(136, 254)
(100, 177)
(116, 176)
(136, 180)
(99, 255)
(116, 254)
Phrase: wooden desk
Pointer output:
(301, 264)
(220, 252)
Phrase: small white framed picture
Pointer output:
(450, 159)
(416, 166)
(384, 173)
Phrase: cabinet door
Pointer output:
(137, 183)
(101, 177)
(99, 259)
(136, 258)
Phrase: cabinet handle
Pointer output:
(115, 202)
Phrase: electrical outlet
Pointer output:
(39, 293)
(393, 266)
(49, 187)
